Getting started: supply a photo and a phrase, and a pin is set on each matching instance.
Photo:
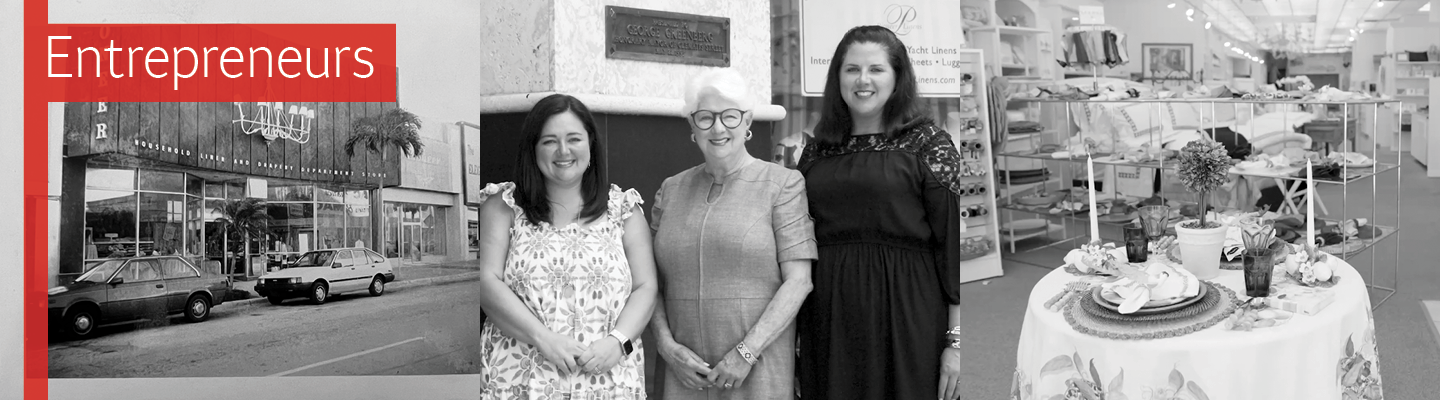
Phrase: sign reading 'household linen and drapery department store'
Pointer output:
(931, 30)
(669, 37)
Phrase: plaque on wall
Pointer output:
(668, 37)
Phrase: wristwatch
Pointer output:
(625, 346)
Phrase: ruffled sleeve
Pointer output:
(794, 230)
(506, 190)
(942, 208)
(622, 203)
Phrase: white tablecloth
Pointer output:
(1307, 357)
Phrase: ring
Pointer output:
(729, 385)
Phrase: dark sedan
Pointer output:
(127, 290)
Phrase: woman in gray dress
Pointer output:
(733, 247)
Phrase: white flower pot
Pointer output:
(1200, 249)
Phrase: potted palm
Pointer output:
(1204, 166)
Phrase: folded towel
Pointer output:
(1156, 281)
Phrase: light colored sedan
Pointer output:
(319, 274)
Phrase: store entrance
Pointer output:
(411, 238)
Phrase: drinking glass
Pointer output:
(1259, 264)
(1154, 219)
(1137, 243)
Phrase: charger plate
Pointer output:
(1108, 300)
(1088, 317)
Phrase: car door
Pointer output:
(136, 291)
(377, 263)
(180, 280)
(346, 273)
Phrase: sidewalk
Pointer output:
(408, 274)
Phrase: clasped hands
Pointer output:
(571, 357)
(696, 374)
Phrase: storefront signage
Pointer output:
(431, 169)
(668, 37)
(271, 120)
(931, 30)
(221, 137)
(470, 158)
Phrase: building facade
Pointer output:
(177, 178)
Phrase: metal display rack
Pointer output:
(1350, 176)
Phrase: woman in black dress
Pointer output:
(883, 181)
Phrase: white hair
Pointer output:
(723, 82)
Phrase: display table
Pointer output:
(1306, 357)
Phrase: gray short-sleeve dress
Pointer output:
(719, 263)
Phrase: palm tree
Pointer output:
(395, 128)
(245, 218)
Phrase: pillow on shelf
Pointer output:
(1182, 116)
(1134, 120)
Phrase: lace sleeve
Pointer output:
(939, 155)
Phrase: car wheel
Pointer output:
(377, 286)
(319, 292)
(198, 308)
(275, 300)
(81, 322)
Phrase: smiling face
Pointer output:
(563, 152)
(866, 80)
(720, 143)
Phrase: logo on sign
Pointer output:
(272, 121)
(900, 18)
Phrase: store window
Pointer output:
(357, 218)
(415, 231)
(109, 224)
(162, 218)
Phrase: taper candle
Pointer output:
(1094, 214)
(1310, 193)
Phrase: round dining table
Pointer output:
(1329, 355)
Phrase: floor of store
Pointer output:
(1406, 330)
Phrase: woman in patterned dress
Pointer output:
(568, 277)
(734, 243)
(884, 187)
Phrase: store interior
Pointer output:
(1351, 86)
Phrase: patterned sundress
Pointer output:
(576, 281)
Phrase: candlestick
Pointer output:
(1094, 216)
(1309, 205)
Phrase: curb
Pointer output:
(434, 280)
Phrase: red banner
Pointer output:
(221, 62)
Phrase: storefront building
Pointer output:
(182, 178)
(424, 218)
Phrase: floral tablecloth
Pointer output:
(1331, 355)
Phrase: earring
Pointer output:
(692, 138)
(748, 135)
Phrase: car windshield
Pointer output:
(314, 259)
(101, 272)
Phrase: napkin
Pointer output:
(1096, 259)
(1157, 281)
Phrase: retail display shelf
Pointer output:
(1209, 100)
(1416, 77)
(1385, 233)
(1009, 237)
(1417, 62)
(1352, 175)
(1045, 211)
(1013, 30)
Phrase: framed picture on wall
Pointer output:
(1167, 60)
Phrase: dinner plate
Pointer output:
(1025, 225)
(1120, 217)
(1100, 297)
(1046, 200)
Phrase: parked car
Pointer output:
(319, 274)
(132, 289)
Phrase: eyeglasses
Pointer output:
(704, 119)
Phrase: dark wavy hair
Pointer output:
(530, 192)
(902, 111)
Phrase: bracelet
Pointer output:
(954, 331)
(955, 344)
(745, 353)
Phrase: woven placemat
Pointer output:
(1094, 320)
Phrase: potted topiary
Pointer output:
(1204, 166)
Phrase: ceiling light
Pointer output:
(1425, 8)
(1190, 12)
(1227, 44)
(1207, 25)
(1074, 18)
(1172, 5)
(1262, 61)
(1362, 31)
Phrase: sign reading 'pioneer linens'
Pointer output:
(660, 36)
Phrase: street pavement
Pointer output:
(429, 326)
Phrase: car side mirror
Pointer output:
(336, 265)
(118, 280)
